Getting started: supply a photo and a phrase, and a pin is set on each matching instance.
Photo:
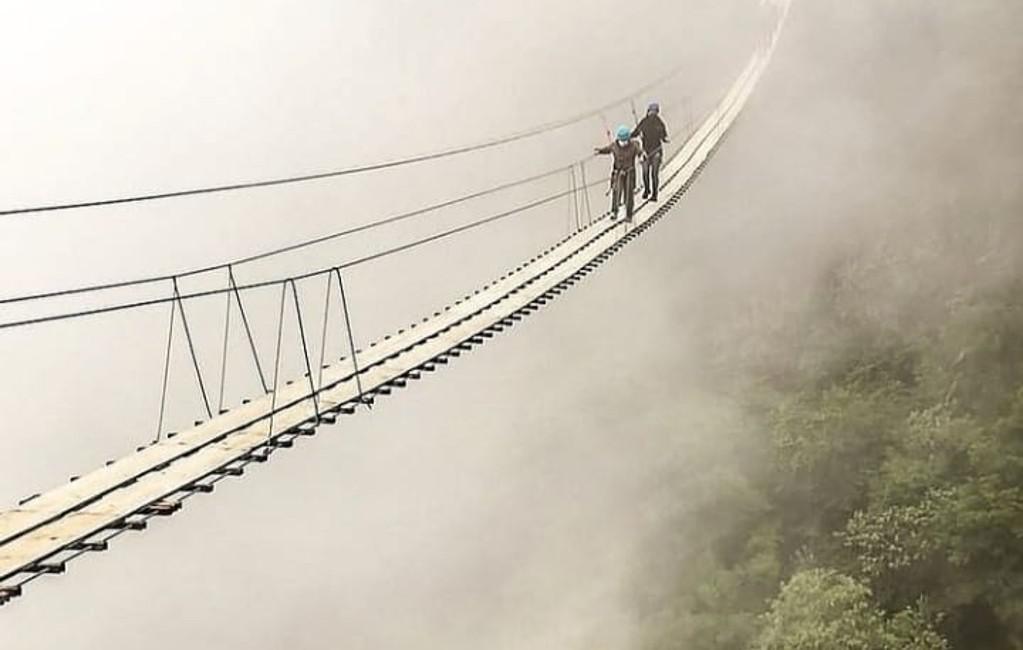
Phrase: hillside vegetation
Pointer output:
(870, 492)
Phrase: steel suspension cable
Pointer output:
(267, 283)
(297, 245)
(237, 289)
(358, 169)
(454, 231)
(289, 248)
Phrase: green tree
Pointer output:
(820, 609)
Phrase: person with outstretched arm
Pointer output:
(625, 150)
(655, 135)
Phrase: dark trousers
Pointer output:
(623, 189)
(652, 173)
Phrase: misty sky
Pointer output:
(505, 501)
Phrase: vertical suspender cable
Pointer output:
(166, 373)
(323, 340)
(191, 350)
(586, 194)
(575, 200)
(248, 329)
(351, 336)
(223, 356)
(571, 188)
(305, 351)
(277, 360)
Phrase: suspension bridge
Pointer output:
(45, 531)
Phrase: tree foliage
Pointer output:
(882, 504)
(820, 609)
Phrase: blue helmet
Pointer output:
(624, 133)
(654, 107)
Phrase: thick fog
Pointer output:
(512, 500)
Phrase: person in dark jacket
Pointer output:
(655, 135)
(623, 175)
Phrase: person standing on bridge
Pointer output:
(655, 135)
(623, 175)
